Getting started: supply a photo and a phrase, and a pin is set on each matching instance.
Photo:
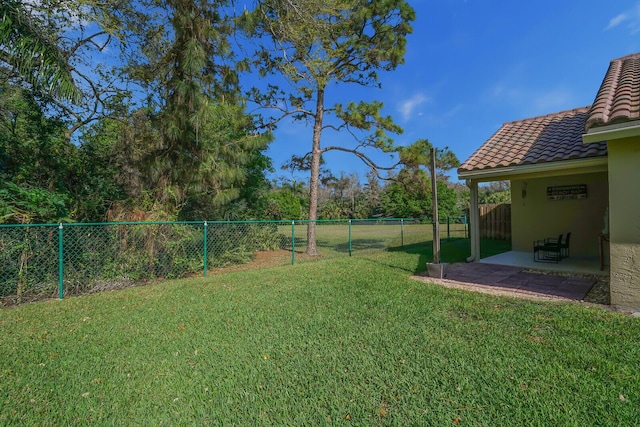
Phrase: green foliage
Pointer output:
(32, 205)
(448, 203)
(407, 199)
(337, 40)
(495, 193)
(193, 148)
(48, 48)
(254, 190)
(37, 166)
(409, 196)
(419, 154)
(230, 162)
(108, 256)
(192, 76)
(344, 197)
(102, 171)
(463, 197)
(25, 47)
(284, 204)
(367, 116)
(192, 151)
(28, 261)
(47, 179)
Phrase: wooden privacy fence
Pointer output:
(495, 221)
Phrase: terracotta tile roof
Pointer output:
(618, 99)
(543, 139)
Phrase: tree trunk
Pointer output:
(314, 180)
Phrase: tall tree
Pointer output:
(409, 194)
(418, 155)
(178, 136)
(58, 50)
(178, 57)
(319, 43)
(372, 190)
(342, 198)
(36, 163)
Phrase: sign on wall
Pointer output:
(567, 192)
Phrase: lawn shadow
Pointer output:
(360, 244)
(451, 250)
(455, 249)
(285, 243)
(342, 247)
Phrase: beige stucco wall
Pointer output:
(624, 188)
(534, 217)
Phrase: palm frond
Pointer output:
(25, 48)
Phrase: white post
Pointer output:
(474, 222)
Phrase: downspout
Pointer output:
(474, 221)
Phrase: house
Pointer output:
(575, 170)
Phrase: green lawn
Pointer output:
(346, 341)
(371, 238)
(333, 239)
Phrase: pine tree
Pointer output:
(315, 44)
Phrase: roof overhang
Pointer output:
(607, 133)
(538, 170)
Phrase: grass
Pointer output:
(333, 238)
(346, 341)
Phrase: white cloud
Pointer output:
(531, 101)
(630, 17)
(453, 111)
(552, 100)
(505, 92)
(617, 20)
(407, 107)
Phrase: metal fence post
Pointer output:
(133, 258)
(293, 242)
(205, 249)
(60, 263)
(350, 241)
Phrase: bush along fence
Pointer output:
(53, 260)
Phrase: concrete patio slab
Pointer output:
(567, 265)
(517, 279)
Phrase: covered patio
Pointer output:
(571, 265)
(573, 171)
(558, 184)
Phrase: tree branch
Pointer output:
(89, 40)
(375, 168)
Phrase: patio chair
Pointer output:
(547, 250)
(564, 246)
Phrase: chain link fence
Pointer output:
(55, 260)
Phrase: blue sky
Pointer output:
(472, 65)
